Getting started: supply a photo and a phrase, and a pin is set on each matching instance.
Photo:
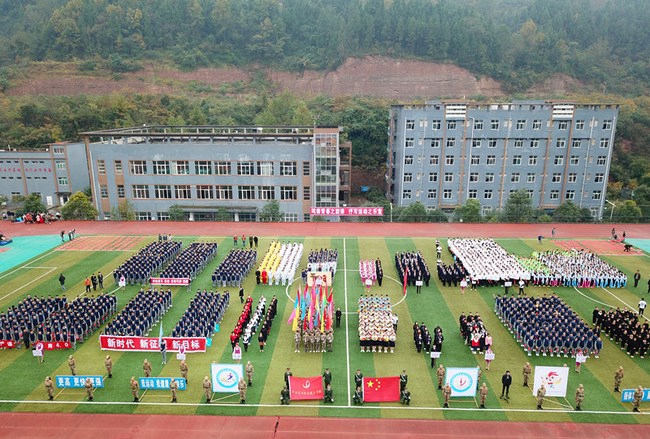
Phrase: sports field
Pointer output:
(21, 377)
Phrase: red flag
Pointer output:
(381, 389)
(303, 388)
(406, 273)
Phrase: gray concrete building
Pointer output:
(443, 153)
(204, 168)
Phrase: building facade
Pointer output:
(54, 172)
(202, 169)
(444, 153)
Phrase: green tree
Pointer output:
(176, 213)
(32, 203)
(627, 212)
(223, 215)
(438, 216)
(642, 198)
(414, 213)
(470, 212)
(568, 212)
(124, 211)
(271, 212)
(518, 208)
(79, 207)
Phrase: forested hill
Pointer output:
(603, 43)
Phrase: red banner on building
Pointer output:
(7, 344)
(304, 388)
(381, 389)
(170, 281)
(146, 344)
(346, 211)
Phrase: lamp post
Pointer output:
(611, 216)
(391, 212)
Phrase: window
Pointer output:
(489, 177)
(491, 160)
(57, 150)
(435, 143)
(204, 192)
(140, 191)
(473, 177)
(244, 168)
(408, 177)
(446, 194)
(534, 143)
(494, 124)
(607, 124)
(574, 160)
(529, 193)
(265, 168)
(222, 168)
(406, 194)
(288, 193)
(472, 193)
(530, 178)
(555, 194)
(180, 167)
(449, 160)
(521, 124)
(475, 160)
(246, 192)
(519, 143)
(160, 167)
(306, 168)
(580, 124)
(562, 125)
(223, 192)
(451, 125)
(163, 216)
(435, 124)
(143, 216)
(63, 181)
(163, 191)
(138, 167)
(516, 160)
(422, 123)
(602, 159)
(572, 177)
(120, 191)
(556, 178)
(558, 160)
(487, 194)
(60, 165)
(265, 193)
(288, 168)
(560, 143)
(596, 195)
(432, 194)
(408, 160)
(570, 194)
(478, 124)
(599, 178)
(409, 142)
(410, 124)
(103, 191)
(449, 177)
(604, 143)
(203, 167)
(101, 167)
(451, 143)
(433, 160)
(118, 167)
(537, 124)
(492, 143)
(183, 191)
(290, 217)
(306, 193)
(514, 177)
(532, 160)
(576, 143)
(476, 143)
(433, 177)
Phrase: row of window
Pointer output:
(495, 124)
(60, 164)
(409, 142)
(515, 177)
(209, 192)
(488, 194)
(558, 160)
(207, 167)
(61, 180)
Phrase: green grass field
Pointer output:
(21, 377)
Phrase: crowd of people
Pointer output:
(424, 340)
(280, 263)
(143, 311)
(414, 266)
(53, 319)
(191, 261)
(486, 261)
(313, 340)
(451, 273)
(234, 268)
(151, 259)
(577, 268)
(473, 331)
(377, 330)
(321, 260)
(547, 325)
(251, 322)
(368, 271)
(205, 310)
(625, 328)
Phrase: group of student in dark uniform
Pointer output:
(452, 273)
(151, 259)
(547, 325)
(140, 314)
(473, 331)
(415, 266)
(321, 260)
(624, 327)
(205, 310)
(423, 339)
(53, 319)
(234, 268)
(191, 261)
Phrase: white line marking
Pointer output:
(619, 299)
(590, 298)
(29, 263)
(347, 329)
(30, 282)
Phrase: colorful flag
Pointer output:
(305, 388)
(381, 389)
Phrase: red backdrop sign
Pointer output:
(306, 388)
(146, 344)
(381, 389)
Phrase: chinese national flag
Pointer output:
(381, 389)
(302, 388)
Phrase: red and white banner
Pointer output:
(147, 344)
(346, 211)
(304, 388)
(54, 345)
(169, 281)
(7, 344)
